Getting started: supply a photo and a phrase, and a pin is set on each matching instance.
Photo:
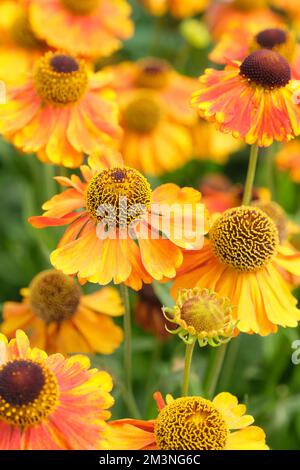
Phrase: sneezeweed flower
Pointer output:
(58, 318)
(190, 423)
(148, 314)
(89, 28)
(202, 315)
(155, 115)
(62, 112)
(242, 260)
(48, 402)
(176, 8)
(288, 159)
(256, 100)
(108, 240)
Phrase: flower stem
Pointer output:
(187, 367)
(250, 175)
(215, 370)
(131, 403)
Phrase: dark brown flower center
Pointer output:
(64, 64)
(266, 68)
(270, 38)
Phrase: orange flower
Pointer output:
(62, 112)
(58, 318)
(177, 8)
(243, 260)
(87, 28)
(155, 114)
(255, 100)
(223, 426)
(99, 244)
(288, 159)
(48, 402)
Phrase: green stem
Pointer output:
(250, 175)
(215, 370)
(187, 367)
(128, 353)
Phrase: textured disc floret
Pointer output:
(270, 38)
(54, 297)
(142, 114)
(28, 392)
(191, 423)
(60, 79)
(153, 73)
(277, 214)
(244, 238)
(266, 68)
(118, 196)
(80, 7)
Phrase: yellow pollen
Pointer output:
(191, 423)
(28, 392)
(153, 73)
(277, 214)
(244, 238)
(142, 114)
(53, 296)
(80, 7)
(22, 33)
(118, 195)
(60, 79)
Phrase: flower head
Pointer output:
(190, 423)
(89, 28)
(256, 100)
(62, 112)
(59, 318)
(48, 402)
(201, 314)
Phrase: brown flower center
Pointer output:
(80, 7)
(153, 73)
(269, 38)
(142, 114)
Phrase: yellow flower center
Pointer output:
(249, 4)
(266, 68)
(28, 392)
(118, 195)
(244, 238)
(60, 79)
(276, 39)
(80, 7)
(277, 214)
(54, 297)
(22, 33)
(191, 423)
(153, 73)
(142, 114)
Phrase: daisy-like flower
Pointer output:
(58, 318)
(89, 28)
(62, 112)
(138, 241)
(155, 115)
(288, 159)
(202, 315)
(240, 43)
(48, 402)
(243, 260)
(255, 100)
(176, 8)
(190, 423)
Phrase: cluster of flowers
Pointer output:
(132, 119)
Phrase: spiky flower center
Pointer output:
(244, 238)
(60, 79)
(22, 33)
(205, 312)
(54, 297)
(277, 214)
(142, 114)
(80, 7)
(153, 73)
(118, 195)
(28, 392)
(269, 38)
(266, 68)
(191, 423)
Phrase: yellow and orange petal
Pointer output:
(63, 405)
(176, 8)
(89, 28)
(224, 426)
(62, 112)
(256, 100)
(288, 159)
(146, 245)
(58, 318)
